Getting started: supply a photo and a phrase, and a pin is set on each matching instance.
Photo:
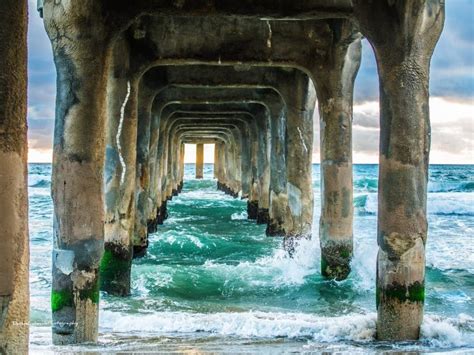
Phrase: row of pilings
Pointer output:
(135, 82)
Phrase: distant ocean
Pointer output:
(213, 282)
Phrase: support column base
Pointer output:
(336, 260)
(252, 209)
(74, 303)
(152, 225)
(227, 190)
(275, 229)
(263, 216)
(139, 251)
(83, 330)
(162, 214)
(115, 268)
(400, 293)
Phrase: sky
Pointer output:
(451, 88)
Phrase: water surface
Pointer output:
(212, 281)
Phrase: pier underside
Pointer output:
(138, 80)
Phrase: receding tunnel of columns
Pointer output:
(158, 83)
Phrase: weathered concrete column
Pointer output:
(145, 101)
(220, 148)
(279, 205)
(14, 250)
(235, 165)
(78, 163)
(403, 35)
(300, 97)
(334, 78)
(181, 167)
(252, 203)
(216, 161)
(263, 168)
(245, 155)
(120, 172)
(199, 161)
(161, 197)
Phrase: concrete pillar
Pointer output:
(221, 165)
(216, 161)
(181, 167)
(199, 161)
(155, 180)
(78, 163)
(120, 172)
(279, 208)
(233, 161)
(237, 163)
(403, 38)
(176, 166)
(140, 238)
(252, 203)
(263, 168)
(300, 100)
(161, 199)
(334, 79)
(245, 155)
(14, 250)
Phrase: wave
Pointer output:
(451, 186)
(367, 184)
(42, 184)
(252, 324)
(439, 203)
(39, 180)
(436, 331)
(239, 216)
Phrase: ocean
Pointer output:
(213, 282)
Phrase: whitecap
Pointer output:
(239, 216)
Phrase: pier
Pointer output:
(138, 80)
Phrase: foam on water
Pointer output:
(436, 331)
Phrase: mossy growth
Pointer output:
(345, 253)
(90, 292)
(112, 265)
(115, 271)
(337, 266)
(412, 293)
(61, 299)
(337, 272)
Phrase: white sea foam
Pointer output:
(196, 241)
(246, 324)
(277, 269)
(451, 203)
(436, 331)
(239, 216)
(445, 332)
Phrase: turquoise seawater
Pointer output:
(213, 282)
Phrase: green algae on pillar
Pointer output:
(115, 268)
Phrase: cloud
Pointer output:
(452, 131)
(452, 71)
